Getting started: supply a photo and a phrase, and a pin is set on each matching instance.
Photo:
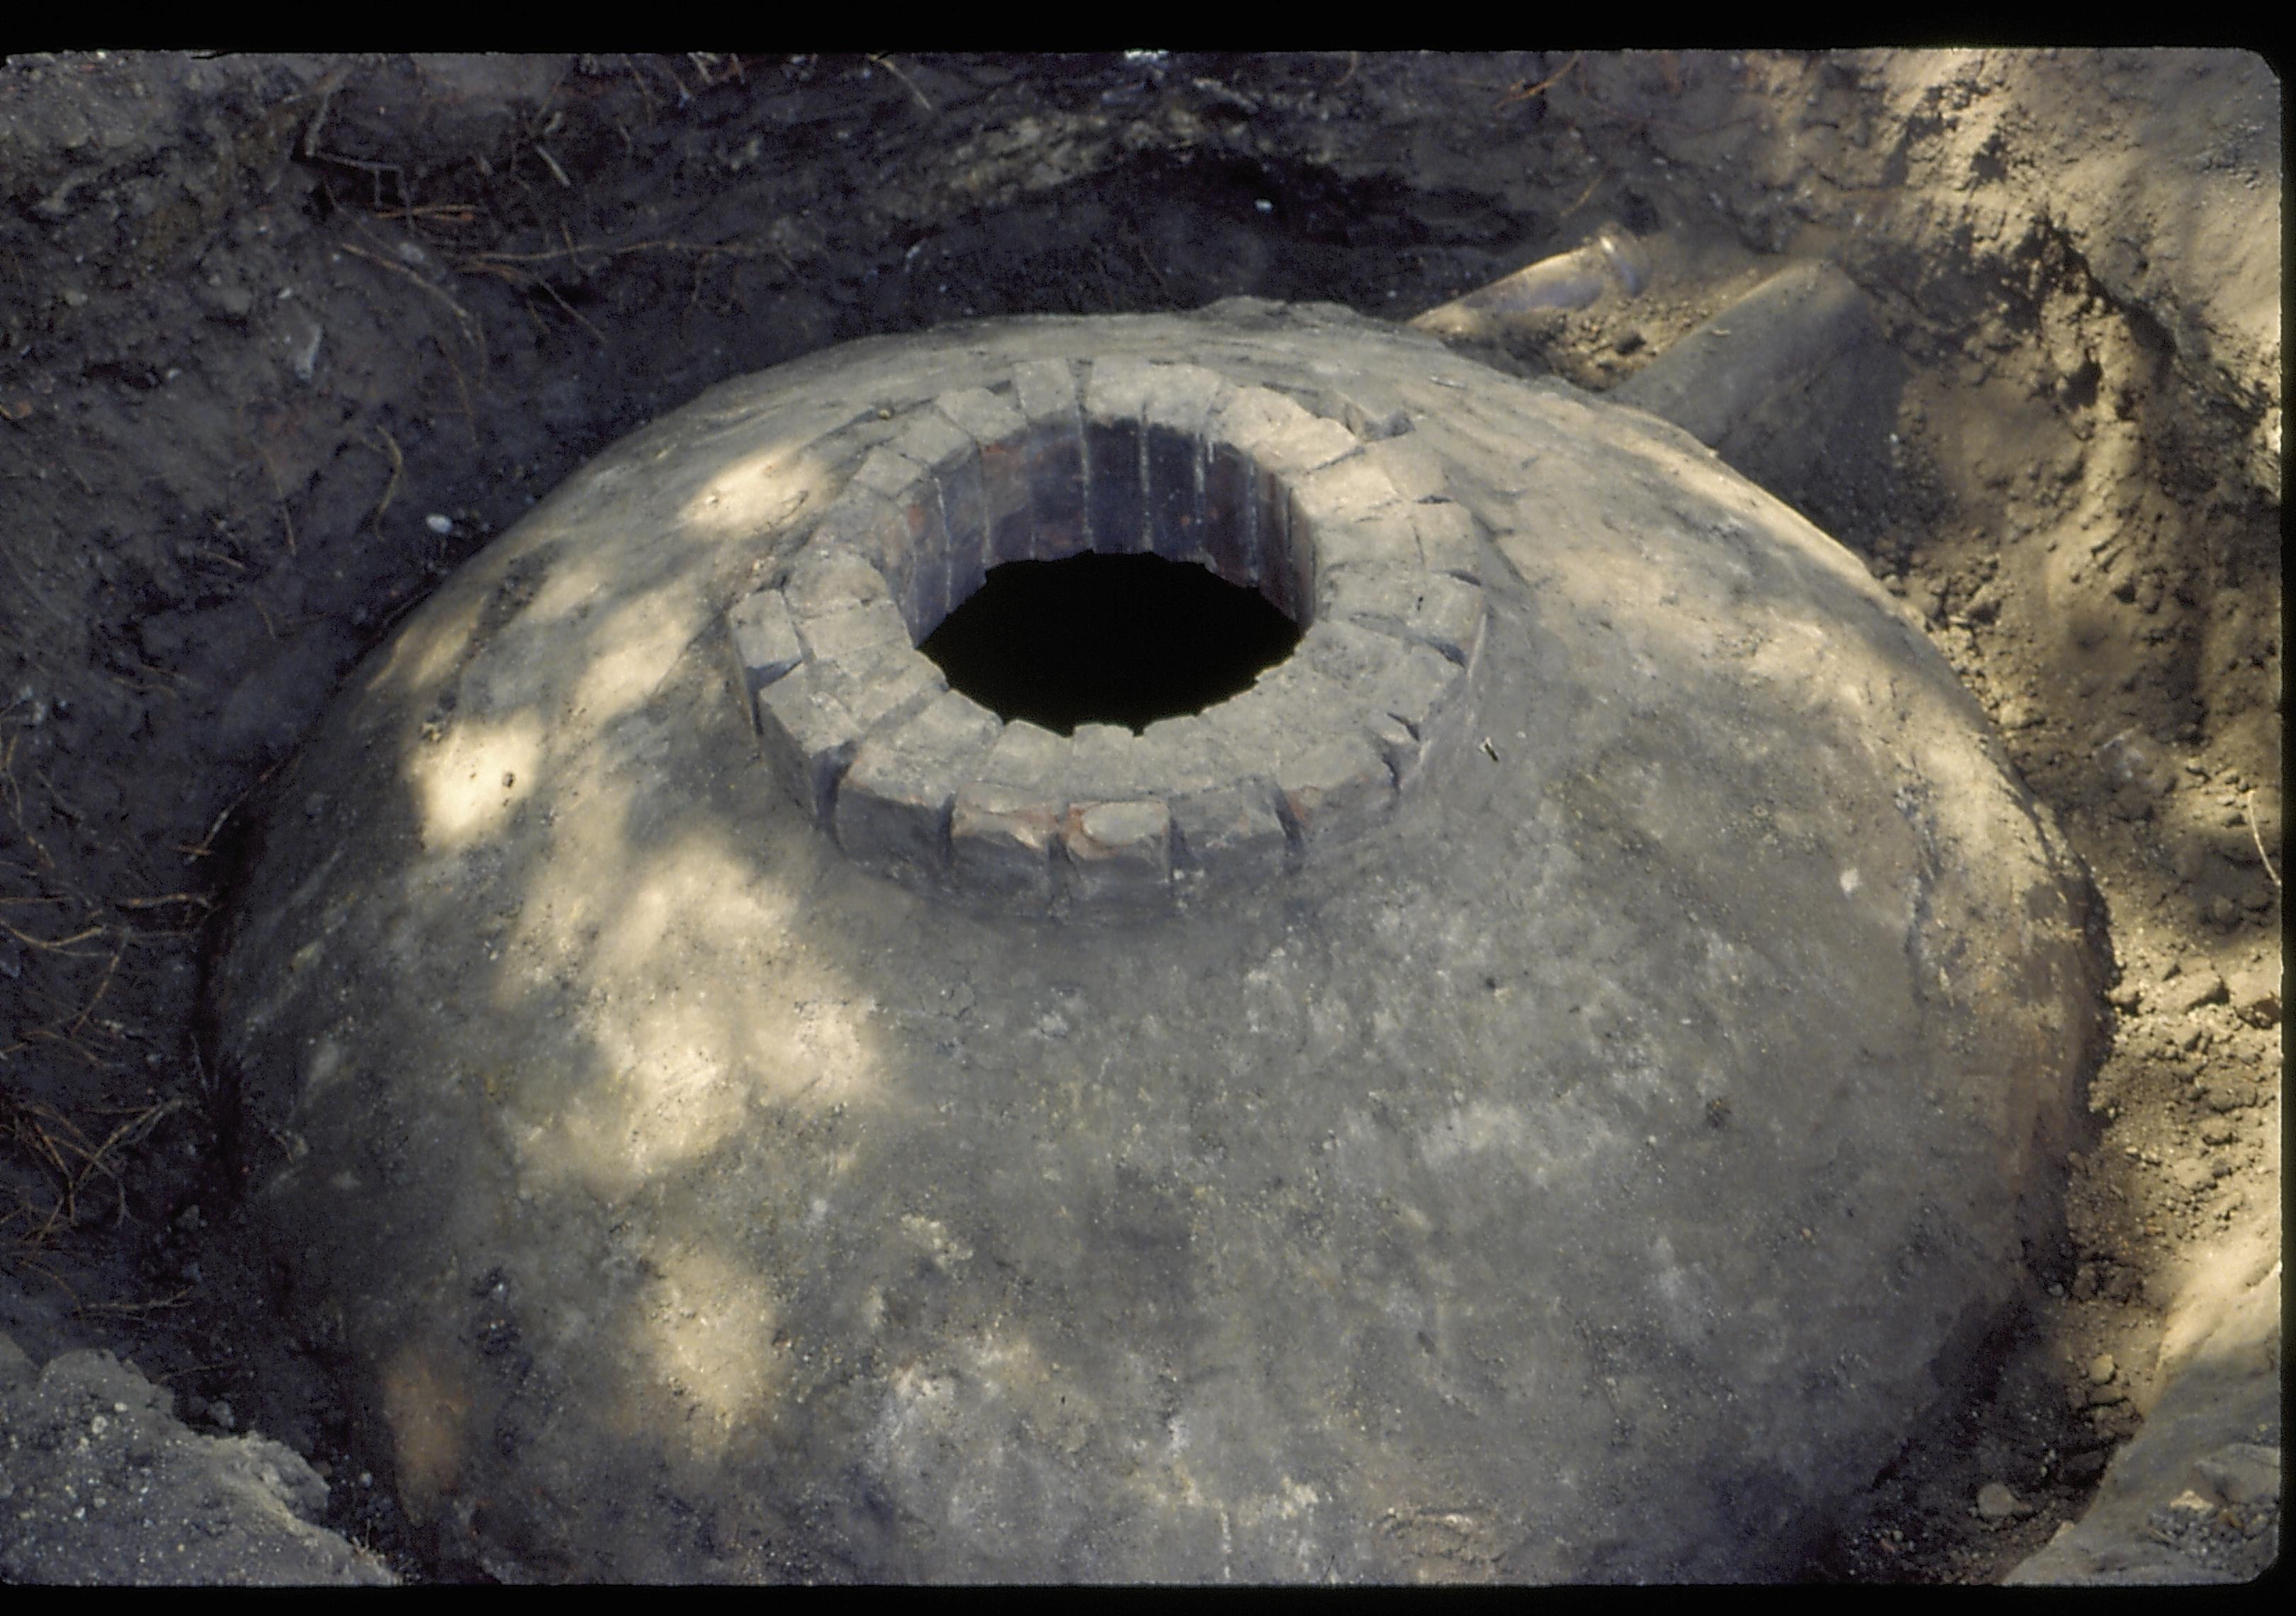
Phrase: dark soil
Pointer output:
(287, 339)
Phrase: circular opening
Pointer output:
(1126, 623)
(1107, 639)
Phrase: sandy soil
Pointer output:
(286, 339)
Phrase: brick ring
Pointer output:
(1348, 531)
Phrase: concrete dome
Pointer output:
(1549, 1082)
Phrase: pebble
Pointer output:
(2086, 1467)
(2191, 1176)
(2101, 1368)
(1995, 1502)
(2241, 1472)
(2255, 996)
(2192, 989)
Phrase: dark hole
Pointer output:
(1107, 639)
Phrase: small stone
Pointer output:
(2193, 990)
(2191, 1176)
(2101, 1368)
(2221, 1097)
(2084, 1466)
(1995, 1502)
(2217, 1131)
(2241, 1474)
(2127, 995)
(439, 524)
(2255, 994)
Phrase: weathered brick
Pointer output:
(1286, 567)
(1334, 790)
(1044, 391)
(949, 455)
(1302, 446)
(1251, 415)
(998, 428)
(833, 636)
(862, 526)
(831, 578)
(1450, 540)
(1248, 729)
(766, 643)
(1401, 690)
(1183, 397)
(879, 684)
(1112, 477)
(1118, 390)
(893, 805)
(931, 596)
(1029, 756)
(1115, 454)
(1176, 407)
(1411, 464)
(1002, 840)
(1182, 755)
(1310, 699)
(1433, 609)
(1120, 854)
(1384, 537)
(1451, 617)
(1349, 489)
(887, 472)
(1175, 496)
(1404, 752)
(916, 533)
(935, 442)
(1231, 832)
(1053, 458)
(1106, 763)
(1413, 701)
(808, 737)
(1232, 503)
(1422, 688)
(1349, 655)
